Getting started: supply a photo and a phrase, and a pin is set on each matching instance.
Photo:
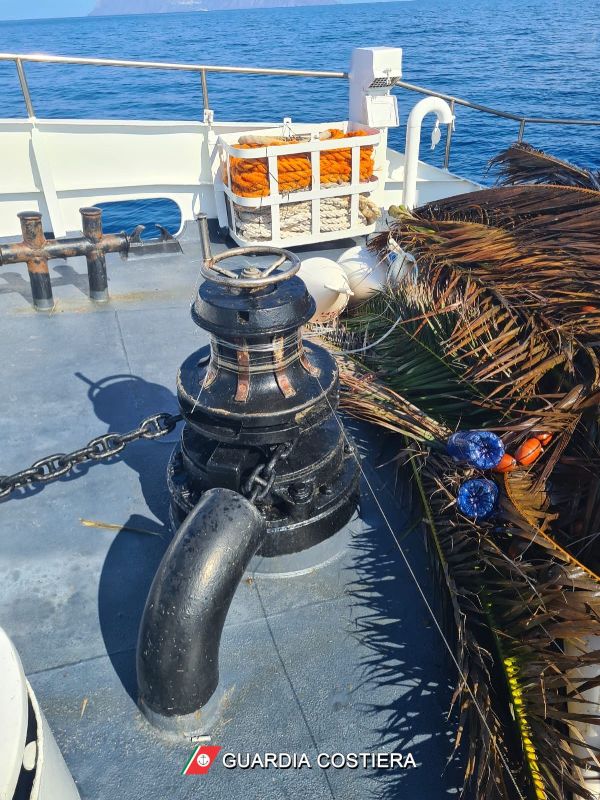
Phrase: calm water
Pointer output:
(539, 57)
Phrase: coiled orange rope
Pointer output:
(250, 176)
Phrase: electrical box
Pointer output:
(374, 72)
(381, 111)
(376, 67)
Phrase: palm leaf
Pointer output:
(522, 163)
(529, 617)
(563, 218)
(502, 320)
(424, 375)
(508, 621)
(365, 397)
(475, 260)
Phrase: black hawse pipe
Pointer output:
(180, 633)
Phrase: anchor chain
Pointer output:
(99, 449)
(261, 480)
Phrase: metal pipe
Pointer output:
(411, 87)
(91, 225)
(204, 90)
(24, 87)
(202, 221)
(110, 62)
(428, 105)
(180, 632)
(521, 131)
(449, 138)
(558, 121)
(459, 101)
(37, 260)
(19, 58)
(36, 251)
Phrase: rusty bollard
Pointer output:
(33, 252)
(91, 223)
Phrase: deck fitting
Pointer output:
(263, 468)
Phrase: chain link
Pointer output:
(101, 448)
(260, 482)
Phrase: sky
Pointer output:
(36, 9)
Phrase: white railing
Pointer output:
(20, 59)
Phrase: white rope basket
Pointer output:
(324, 212)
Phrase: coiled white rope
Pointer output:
(255, 224)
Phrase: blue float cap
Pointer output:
(477, 498)
(481, 449)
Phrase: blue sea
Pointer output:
(536, 57)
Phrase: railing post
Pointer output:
(449, 138)
(521, 130)
(24, 87)
(204, 89)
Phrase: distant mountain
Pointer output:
(104, 7)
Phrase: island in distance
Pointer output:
(106, 7)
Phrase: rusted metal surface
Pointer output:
(35, 250)
(243, 375)
(305, 361)
(91, 225)
(314, 371)
(32, 251)
(281, 377)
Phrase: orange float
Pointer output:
(506, 464)
(544, 438)
(529, 452)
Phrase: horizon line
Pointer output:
(89, 15)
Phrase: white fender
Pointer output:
(327, 283)
(19, 748)
(365, 271)
(368, 273)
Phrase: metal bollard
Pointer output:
(91, 225)
(36, 251)
(34, 254)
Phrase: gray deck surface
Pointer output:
(342, 659)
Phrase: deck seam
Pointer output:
(122, 340)
(244, 623)
(292, 688)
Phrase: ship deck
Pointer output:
(342, 658)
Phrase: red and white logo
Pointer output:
(202, 759)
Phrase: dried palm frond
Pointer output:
(563, 218)
(511, 617)
(523, 163)
(362, 395)
(501, 329)
(510, 332)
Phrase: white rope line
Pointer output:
(258, 347)
(320, 333)
(423, 597)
